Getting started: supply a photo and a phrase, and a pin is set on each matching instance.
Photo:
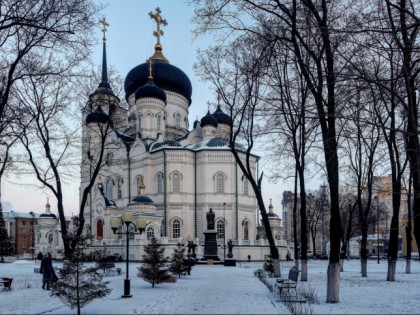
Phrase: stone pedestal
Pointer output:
(229, 262)
(210, 246)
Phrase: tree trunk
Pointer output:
(392, 266)
(304, 270)
(333, 284)
(363, 263)
(408, 266)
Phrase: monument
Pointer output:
(210, 242)
(230, 261)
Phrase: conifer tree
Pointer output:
(6, 247)
(78, 283)
(153, 269)
(177, 261)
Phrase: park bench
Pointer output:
(7, 283)
(283, 286)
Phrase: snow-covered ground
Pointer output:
(223, 290)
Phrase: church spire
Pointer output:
(104, 78)
(158, 33)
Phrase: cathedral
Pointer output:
(159, 169)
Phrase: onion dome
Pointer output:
(47, 213)
(165, 76)
(209, 119)
(150, 89)
(98, 116)
(221, 117)
(270, 211)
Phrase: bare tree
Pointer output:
(31, 29)
(239, 78)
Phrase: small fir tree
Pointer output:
(177, 261)
(6, 247)
(79, 284)
(153, 269)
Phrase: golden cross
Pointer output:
(104, 29)
(150, 62)
(159, 20)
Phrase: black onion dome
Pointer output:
(209, 119)
(98, 116)
(221, 117)
(141, 199)
(272, 215)
(48, 215)
(150, 89)
(165, 75)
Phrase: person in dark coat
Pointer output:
(47, 270)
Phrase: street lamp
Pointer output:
(377, 225)
(140, 225)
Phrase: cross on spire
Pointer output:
(104, 29)
(159, 20)
(218, 97)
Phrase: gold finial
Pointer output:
(150, 62)
(142, 186)
(158, 33)
(218, 97)
(47, 206)
(104, 29)
(208, 105)
(270, 206)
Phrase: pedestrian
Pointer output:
(48, 273)
(249, 258)
(40, 256)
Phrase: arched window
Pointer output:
(50, 238)
(160, 183)
(245, 186)
(119, 188)
(109, 158)
(99, 230)
(139, 121)
(176, 228)
(109, 188)
(158, 121)
(278, 236)
(246, 230)
(176, 183)
(220, 228)
(177, 120)
(131, 230)
(220, 184)
(150, 232)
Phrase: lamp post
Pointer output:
(224, 231)
(377, 225)
(140, 225)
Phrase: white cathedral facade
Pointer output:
(162, 169)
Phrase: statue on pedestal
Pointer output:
(210, 220)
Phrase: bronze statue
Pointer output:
(210, 220)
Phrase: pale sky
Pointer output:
(130, 42)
